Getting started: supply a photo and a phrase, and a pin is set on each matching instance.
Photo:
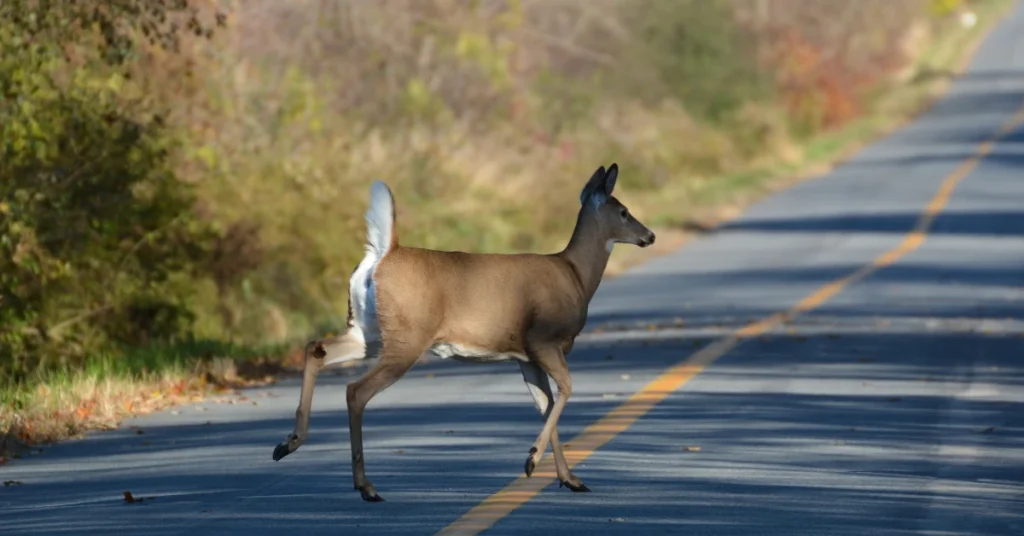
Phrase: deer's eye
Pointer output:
(624, 213)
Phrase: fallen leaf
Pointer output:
(692, 448)
(625, 376)
(139, 432)
(12, 483)
(129, 498)
(617, 520)
(430, 375)
(177, 388)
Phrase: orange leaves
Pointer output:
(178, 388)
(85, 409)
(817, 91)
(826, 87)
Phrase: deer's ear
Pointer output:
(609, 179)
(595, 187)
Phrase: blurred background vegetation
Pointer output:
(177, 171)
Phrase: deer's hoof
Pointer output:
(282, 450)
(530, 465)
(369, 494)
(577, 486)
(286, 447)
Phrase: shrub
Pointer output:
(97, 237)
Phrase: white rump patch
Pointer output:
(448, 350)
(363, 293)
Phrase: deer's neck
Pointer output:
(588, 252)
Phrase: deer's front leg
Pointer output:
(537, 382)
(552, 361)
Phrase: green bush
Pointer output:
(97, 236)
(692, 51)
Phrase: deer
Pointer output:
(405, 302)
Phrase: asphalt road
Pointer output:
(892, 405)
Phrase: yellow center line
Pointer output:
(618, 420)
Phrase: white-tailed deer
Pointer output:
(481, 308)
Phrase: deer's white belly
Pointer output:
(458, 352)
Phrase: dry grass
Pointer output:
(61, 406)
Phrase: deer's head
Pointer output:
(614, 222)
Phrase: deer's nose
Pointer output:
(647, 240)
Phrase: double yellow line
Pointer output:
(593, 437)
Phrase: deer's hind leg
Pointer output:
(319, 354)
(396, 359)
(537, 382)
(551, 360)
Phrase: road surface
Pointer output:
(888, 402)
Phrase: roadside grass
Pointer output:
(114, 385)
(134, 381)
